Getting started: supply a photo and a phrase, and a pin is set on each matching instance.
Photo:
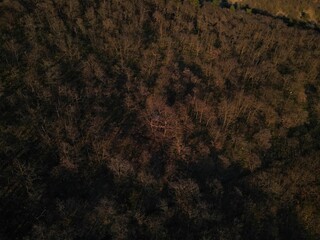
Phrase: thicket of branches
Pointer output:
(156, 120)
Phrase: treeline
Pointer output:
(156, 120)
(306, 10)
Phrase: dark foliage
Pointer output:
(156, 120)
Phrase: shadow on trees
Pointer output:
(288, 21)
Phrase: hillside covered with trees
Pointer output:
(156, 119)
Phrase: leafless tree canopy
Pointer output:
(158, 119)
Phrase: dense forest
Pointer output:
(157, 119)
